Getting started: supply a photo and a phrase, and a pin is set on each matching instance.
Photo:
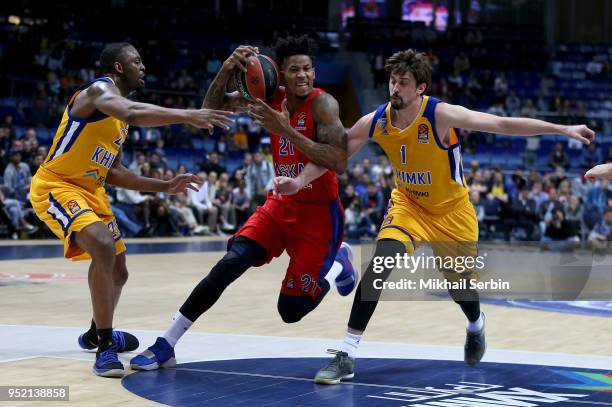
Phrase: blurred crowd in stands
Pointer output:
(554, 205)
(524, 205)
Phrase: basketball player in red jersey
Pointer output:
(304, 126)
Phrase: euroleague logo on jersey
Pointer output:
(73, 207)
(423, 134)
(387, 220)
(301, 121)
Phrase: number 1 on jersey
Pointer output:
(403, 153)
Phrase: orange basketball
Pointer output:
(261, 79)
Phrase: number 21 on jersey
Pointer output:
(286, 147)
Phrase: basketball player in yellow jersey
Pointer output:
(68, 193)
(430, 201)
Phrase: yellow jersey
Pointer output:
(426, 172)
(83, 150)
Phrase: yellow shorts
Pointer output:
(66, 208)
(451, 234)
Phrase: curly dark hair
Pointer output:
(112, 53)
(411, 61)
(289, 46)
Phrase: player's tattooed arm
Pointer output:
(341, 144)
(220, 94)
(216, 95)
(331, 151)
(330, 148)
(357, 137)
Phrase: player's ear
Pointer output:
(421, 88)
(314, 73)
(118, 67)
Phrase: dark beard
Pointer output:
(398, 105)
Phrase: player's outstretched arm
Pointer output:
(603, 171)
(217, 95)
(357, 137)
(106, 98)
(122, 177)
(448, 115)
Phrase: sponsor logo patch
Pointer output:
(301, 120)
(423, 134)
(388, 220)
(73, 206)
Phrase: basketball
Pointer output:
(260, 81)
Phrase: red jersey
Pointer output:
(289, 161)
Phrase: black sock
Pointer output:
(105, 339)
(91, 336)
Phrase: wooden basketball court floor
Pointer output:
(45, 305)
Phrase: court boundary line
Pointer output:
(370, 349)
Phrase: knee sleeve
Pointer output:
(227, 270)
(292, 309)
(243, 254)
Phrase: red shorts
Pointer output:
(311, 233)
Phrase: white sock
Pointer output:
(477, 325)
(350, 344)
(333, 272)
(177, 328)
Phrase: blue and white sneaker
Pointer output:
(161, 354)
(108, 364)
(126, 342)
(349, 276)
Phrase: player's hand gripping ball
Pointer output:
(261, 79)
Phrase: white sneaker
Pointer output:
(200, 229)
